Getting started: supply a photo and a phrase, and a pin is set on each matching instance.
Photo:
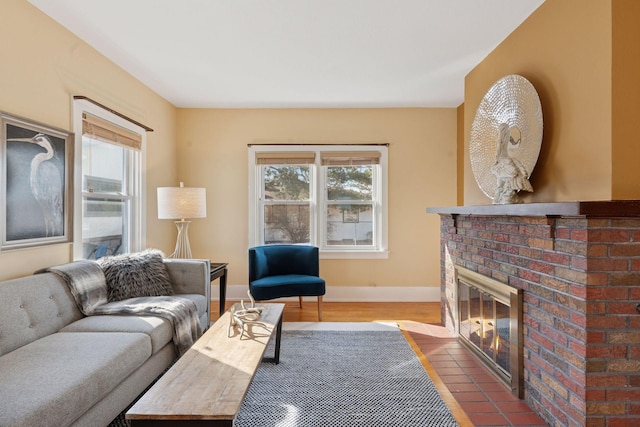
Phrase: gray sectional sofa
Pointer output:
(61, 368)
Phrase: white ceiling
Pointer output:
(296, 53)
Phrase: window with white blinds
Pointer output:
(108, 181)
(332, 196)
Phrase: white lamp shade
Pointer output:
(182, 202)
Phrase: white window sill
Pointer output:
(355, 254)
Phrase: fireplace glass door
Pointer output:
(489, 324)
(503, 335)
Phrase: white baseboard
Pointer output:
(350, 294)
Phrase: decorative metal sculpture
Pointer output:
(505, 139)
(511, 175)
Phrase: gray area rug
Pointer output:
(343, 379)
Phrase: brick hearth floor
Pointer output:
(485, 400)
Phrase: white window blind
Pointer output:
(350, 158)
(102, 130)
(283, 158)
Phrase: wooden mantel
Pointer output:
(611, 209)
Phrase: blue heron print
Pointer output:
(45, 182)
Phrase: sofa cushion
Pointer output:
(157, 328)
(54, 380)
(202, 306)
(140, 274)
(33, 307)
(199, 300)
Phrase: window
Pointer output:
(108, 181)
(333, 197)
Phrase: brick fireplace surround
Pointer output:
(578, 264)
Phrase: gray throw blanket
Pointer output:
(88, 286)
(181, 312)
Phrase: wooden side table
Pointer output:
(219, 271)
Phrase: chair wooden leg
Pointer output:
(300, 301)
(320, 308)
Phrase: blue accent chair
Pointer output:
(277, 271)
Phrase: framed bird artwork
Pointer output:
(35, 183)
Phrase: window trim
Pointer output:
(318, 202)
(138, 180)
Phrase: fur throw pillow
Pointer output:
(140, 274)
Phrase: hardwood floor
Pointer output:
(363, 312)
(474, 395)
(359, 311)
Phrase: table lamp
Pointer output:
(182, 203)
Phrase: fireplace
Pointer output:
(577, 266)
(489, 323)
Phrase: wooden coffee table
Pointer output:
(207, 384)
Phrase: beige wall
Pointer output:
(51, 65)
(564, 49)
(43, 67)
(422, 173)
(581, 55)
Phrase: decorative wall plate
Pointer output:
(513, 101)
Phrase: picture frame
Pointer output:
(35, 183)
